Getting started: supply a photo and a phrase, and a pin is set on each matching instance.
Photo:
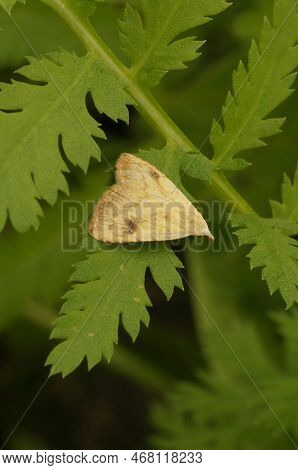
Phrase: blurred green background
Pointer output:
(179, 386)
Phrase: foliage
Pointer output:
(90, 315)
(275, 248)
(9, 4)
(196, 413)
(149, 31)
(244, 385)
(220, 352)
(258, 90)
(48, 123)
(42, 113)
(25, 258)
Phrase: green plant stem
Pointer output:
(146, 104)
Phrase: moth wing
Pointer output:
(144, 205)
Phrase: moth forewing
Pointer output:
(144, 205)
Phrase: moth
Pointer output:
(144, 205)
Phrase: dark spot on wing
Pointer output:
(131, 225)
(154, 174)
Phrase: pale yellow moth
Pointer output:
(144, 205)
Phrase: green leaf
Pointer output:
(243, 385)
(25, 256)
(194, 414)
(109, 283)
(51, 105)
(175, 163)
(288, 209)
(275, 248)
(275, 251)
(259, 89)
(9, 4)
(243, 381)
(197, 166)
(149, 34)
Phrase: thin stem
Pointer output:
(146, 104)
